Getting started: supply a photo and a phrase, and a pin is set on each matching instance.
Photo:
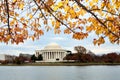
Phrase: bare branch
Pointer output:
(34, 13)
(49, 10)
(104, 11)
(8, 16)
(83, 7)
(40, 9)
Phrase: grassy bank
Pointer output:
(59, 64)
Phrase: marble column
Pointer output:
(45, 55)
(60, 55)
(50, 55)
(56, 54)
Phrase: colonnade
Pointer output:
(53, 55)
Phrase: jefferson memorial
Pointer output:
(52, 53)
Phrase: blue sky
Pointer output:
(62, 39)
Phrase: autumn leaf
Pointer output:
(30, 16)
(67, 31)
(95, 41)
(60, 4)
(41, 32)
(14, 1)
(22, 18)
(76, 17)
(21, 6)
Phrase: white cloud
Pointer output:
(106, 49)
(58, 38)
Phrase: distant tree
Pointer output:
(68, 57)
(80, 49)
(33, 58)
(40, 57)
(91, 53)
(112, 58)
(87, 58)
(5, 62)
(97, 59)
(17, 60)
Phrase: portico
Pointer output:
(52, 52)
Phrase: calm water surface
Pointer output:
(59, 72)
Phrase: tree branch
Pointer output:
(8, 16)
(83, 7)
(104, 11)
(40, 9)
(49, 10)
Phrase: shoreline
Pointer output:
(62, 64)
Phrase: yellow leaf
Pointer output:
(40, 15)
(95, 42)
(95, 1)
(89, 28)
(17, 29)
(97, 32)
(11, 13)
(60, 4)
(12, 22)
(33, 38)
(82, 12)
(41, 32)
(8, 37)
(113, 1)
(14, 1)
(117, 4)
(22, 18)
(75, 6)
(45, 22)
(21, 5)
(110, 24)
(67, 31)
(101, 40)
(66, 1)
(49, 3)
(57, 31)
(30, 16)
(108, 6)
(27, 14)
(71, 11)
(55, 8)
(91, 3)
(16, 14)
(34, 9)
(102, 5)
(53, 23)
(57, 25)
(67, 8)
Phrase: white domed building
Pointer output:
(52, 53)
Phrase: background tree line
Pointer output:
(112, 57)
(83, 56)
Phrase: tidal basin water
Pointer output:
(59, 72)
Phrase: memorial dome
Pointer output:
(52, 46)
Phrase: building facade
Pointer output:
(4, 57)
(52, 53)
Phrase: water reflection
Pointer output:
(59, 72)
